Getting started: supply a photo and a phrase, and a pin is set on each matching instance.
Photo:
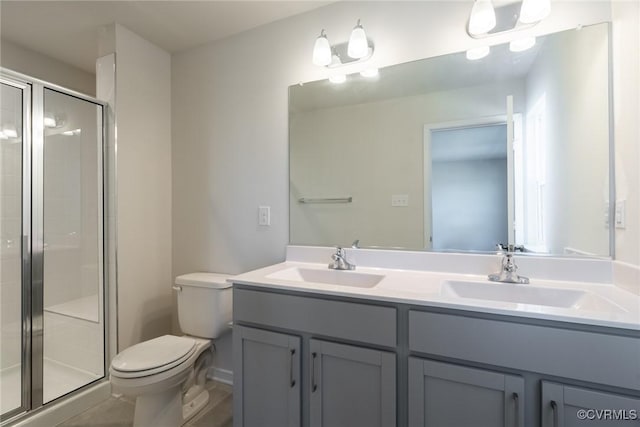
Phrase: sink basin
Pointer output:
(520, 294)
(329, 277)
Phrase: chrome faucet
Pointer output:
(339, 261)
(508, 267)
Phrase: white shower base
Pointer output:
(59, 379)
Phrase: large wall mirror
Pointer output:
(449, 154)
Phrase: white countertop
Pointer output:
(614, 306)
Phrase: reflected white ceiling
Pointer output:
(69, 30)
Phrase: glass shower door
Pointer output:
(14, 323)
(72, 244)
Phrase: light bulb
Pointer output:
(478, 53)
(338, 78)
(483, 17)
(358, 45)
(322, 50)
(520, 45)
(369, 73)
(534, 10)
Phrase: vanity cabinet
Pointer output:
(266, 378)
(444, 394)
(314, 360)
(351, 386)
(568, 406)
(311, 361)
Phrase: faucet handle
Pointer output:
(355, 244)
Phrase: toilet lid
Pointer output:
(153, 353)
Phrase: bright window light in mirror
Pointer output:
(478, 53)
(534, 10)
(10, 131)
(321, 50)
(370, 73)
(521, 45)
(483, 17)
(50, 121)
(358, 46)
(72, 132)
(338, 78)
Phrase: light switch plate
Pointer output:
(400, 200)
(264, 215)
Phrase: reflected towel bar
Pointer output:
(326, 200)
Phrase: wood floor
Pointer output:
(118, 411)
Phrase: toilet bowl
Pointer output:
(166, 375)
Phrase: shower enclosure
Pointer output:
(52, 245)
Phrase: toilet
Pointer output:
(166, 375)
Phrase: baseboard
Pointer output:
(222, 375)
(67, 407)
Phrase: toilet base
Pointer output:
(162, 409)
(190, 409)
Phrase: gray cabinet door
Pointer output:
(446, 395)
(567, 406)
(266, 390)
(351, 386)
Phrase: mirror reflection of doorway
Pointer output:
(469, 197)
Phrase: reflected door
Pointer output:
(469, 188)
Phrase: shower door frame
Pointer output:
(32, 247)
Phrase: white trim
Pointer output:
(221, 375)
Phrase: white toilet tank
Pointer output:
(204, 304)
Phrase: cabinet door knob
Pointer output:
(292, 381)
(516, 402)
(554, 408)
(314, 386)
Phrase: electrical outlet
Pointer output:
(264, 215)
(400, 200)
(620, 220)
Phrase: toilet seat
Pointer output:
(152, 357)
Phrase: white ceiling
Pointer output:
(69, 30)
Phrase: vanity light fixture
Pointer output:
(358, 45)
(3, 136)
(322, 50)
(487, 21)
(534, 11)
(478, 53)
(520, 45)
(357, 49)
(482, 18)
